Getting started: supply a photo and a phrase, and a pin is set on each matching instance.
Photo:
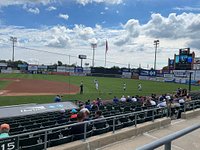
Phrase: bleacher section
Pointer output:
(31, 128)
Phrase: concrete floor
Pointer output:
(190, 141)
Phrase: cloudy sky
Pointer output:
(50, 30)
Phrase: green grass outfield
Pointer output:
(108, 87)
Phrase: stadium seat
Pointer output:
(81, 136)
(59, 141)
(65, 132)
(29, 141)
(100, 127)
(39, 146)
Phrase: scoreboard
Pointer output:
(184, 61)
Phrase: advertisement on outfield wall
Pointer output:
(32, 67)
(61, 69)
(169, 77)
(126, 75)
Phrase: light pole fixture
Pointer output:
(13, 40)
(93, 45)
(156, 43)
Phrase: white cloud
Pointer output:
(131, 31)
(84, 2)
(106, 8)
(64, 16)
(28, 2)
(102, 13)
(132, 39)
(51, 8)
(187, 8)
(33, 10)
(83, 32)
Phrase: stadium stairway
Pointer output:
(187, 142)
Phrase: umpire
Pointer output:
(81, 88)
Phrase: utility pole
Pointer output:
(93, 45)
(156, 43)
(190, 82)
(13, 40)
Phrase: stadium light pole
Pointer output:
(93, 45)
(190, 78)
(13, 40)
(156, 43)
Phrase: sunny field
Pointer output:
(108, 88)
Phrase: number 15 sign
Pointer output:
(9, 143)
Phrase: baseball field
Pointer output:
(29, 88)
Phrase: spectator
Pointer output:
(162, 104)
(86, 113)
(128, 99)
(88, 105)
(123, 99)
(57, 98)
(115, 99)
(134, 99)
(98, 114)
(4, 129)
(94, 105)
(73, 114)
(78, 129)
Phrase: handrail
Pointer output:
(85, 122)
(168, 139)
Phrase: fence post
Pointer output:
(45, 140)
(193, 106)
(85, 131)
(168, 146)
(114, 125)
(185, 107)
(153, 117)
(135, 119)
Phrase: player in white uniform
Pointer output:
(139, 87)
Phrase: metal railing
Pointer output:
(166, 141)
(135, 114)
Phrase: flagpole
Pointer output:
(105, 58)
(106, 51)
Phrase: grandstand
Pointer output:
(41, 130)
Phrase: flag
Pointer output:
(106, 46)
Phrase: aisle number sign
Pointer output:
(9, 143)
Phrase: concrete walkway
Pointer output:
(190, 141)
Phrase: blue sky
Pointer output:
(130, 26)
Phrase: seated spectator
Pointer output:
(153, 103)
(162, 104)
(86, 113)
(73, 114)
(78, 129)
(115, 99)
(188, 98)
(88, 105)
(4, 129)
(181, 101)
(128, 99)
(57, 98)
(123, 99)
(94, 106)
(99, 101)
(98, 114)
(134, 99)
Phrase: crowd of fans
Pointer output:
(83, 113)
